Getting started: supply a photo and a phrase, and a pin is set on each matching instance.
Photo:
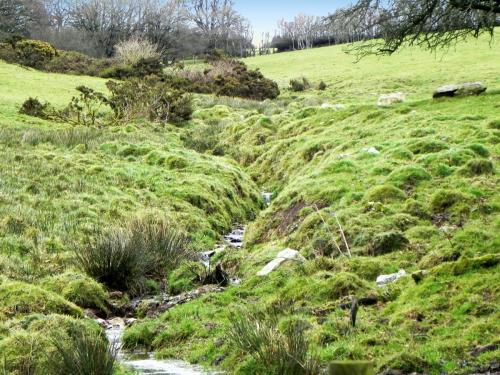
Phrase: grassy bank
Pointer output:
(412, 186)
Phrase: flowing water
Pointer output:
(148, 365)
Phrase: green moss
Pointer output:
(478, 167)
(444, 200)
(384, 194)
(408, 176)
(18, 299)
(426, 146)
(79, 289)
(465, 264)
(479, 149)
(185, 277)
(387, 242)
(140, 335)
(406, 362)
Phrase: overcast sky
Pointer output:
(264, 14)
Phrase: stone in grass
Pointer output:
(385, 100)
(461, 89)
(389, 279)
(284, 255)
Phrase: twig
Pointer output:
(329, 230)
(342, 234)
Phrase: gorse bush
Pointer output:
(279, 346)
(149, 98)
(300, 84)
(84, 354)
(123, 258)
(34, 53)
(33, 107)
(85, 109)
(131, 51)
(232, 78)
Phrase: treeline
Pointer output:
(429, 23)
(306, 31)
(179, 28)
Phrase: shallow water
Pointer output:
(149, 365)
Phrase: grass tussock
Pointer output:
(84, 354)
(280, 347)
(124, 257)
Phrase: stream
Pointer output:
(147, 364)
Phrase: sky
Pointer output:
(264, 14)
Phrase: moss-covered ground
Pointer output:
(412, 186)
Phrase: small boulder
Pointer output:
(284, 255)
(371, 151)
(461, 89)
(385, 100)
(388, 279)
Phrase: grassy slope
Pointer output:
(437, 153)
(434, 183)
(59, 182)
(412, 71)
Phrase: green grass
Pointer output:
(427, 201)
(412, 71)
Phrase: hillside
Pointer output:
(410, 186)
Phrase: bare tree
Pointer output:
(428, 23)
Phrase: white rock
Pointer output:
(371, 151)
(284, 255)
(388, 99)
(388, 279)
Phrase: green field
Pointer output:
(427, 200)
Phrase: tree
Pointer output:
(430, 24)
(18, 17)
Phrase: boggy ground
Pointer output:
(427, 199)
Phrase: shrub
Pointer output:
(70, 62)
(7, 53)
(122, 258)
(131, 51)
(229, 78)
(34, 53)
(244, 83)
(300, 84)
(86, 353)
(33, 107)
(118, 71)
(150, 98)
(322, 86)
(85, 109)
(281, 348)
